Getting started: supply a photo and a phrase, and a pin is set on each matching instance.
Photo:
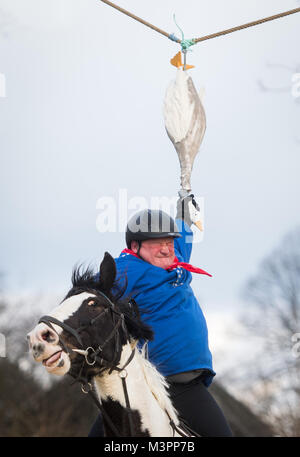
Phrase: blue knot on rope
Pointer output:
(174, 38)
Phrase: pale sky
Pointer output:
(82, 119)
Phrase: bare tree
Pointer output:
(274, 317)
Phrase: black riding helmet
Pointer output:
(148, 224)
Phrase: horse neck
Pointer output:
(146, 389)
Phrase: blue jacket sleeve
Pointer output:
(184, 244)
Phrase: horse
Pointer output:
(92, 335)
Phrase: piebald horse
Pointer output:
(92, 335)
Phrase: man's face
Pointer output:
(158, 252)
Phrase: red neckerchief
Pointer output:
(175, 264)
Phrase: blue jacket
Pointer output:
(168, 305)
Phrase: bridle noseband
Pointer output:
(91, 354)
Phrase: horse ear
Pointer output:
(108, 273)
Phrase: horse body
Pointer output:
(147, 393)
(95, 341)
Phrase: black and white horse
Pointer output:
(92, 335)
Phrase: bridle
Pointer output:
(93, 356)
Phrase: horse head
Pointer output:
(84, 335)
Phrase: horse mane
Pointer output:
(85, 280)
(136, 328)
(82, 279)
(157, 384)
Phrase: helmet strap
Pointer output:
(138, 251)
(139, 242)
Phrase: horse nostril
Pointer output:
(48, 336)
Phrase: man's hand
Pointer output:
(188, 210)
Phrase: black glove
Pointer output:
(188, 209)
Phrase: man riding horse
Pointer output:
(158, 277)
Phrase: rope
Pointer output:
(185, 44)
(249, 24)
(171, 37)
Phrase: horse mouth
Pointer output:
(50, 361)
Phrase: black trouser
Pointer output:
(97, 428)
(198, 408)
